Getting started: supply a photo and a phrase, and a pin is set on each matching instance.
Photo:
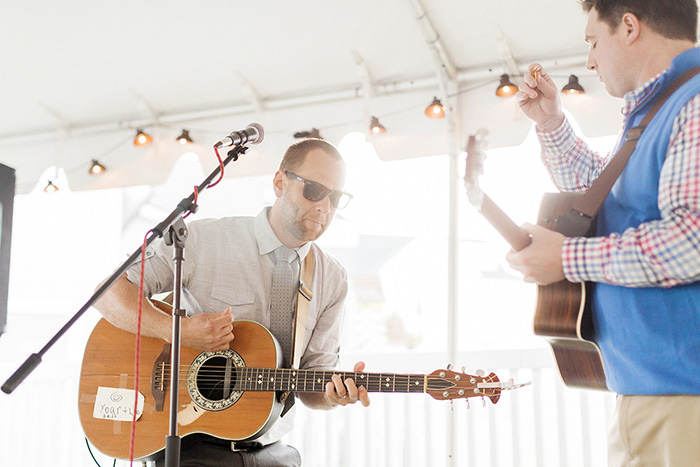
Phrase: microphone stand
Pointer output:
(177, 233)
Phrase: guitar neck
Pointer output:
(279, 379)
(509, 230)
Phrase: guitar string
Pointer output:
(214, 375)
(288, 371)
(213, 370)
(219, 368)
(283, 378)
(286, 376)
(312, 386)
(382, 380)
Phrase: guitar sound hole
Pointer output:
(212, 380)
(216, 378)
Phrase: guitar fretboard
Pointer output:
(277, 379)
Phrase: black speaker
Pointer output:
(7, 197)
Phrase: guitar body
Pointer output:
(109, 363)
(563, 315)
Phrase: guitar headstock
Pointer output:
(448, 384)
(475, 166)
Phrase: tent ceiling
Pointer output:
(78, 76)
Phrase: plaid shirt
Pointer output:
(659, 253)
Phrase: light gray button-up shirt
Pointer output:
(229, 263)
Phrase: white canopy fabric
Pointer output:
(77, 78)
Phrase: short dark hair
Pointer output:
(673, 19)
(296, 153)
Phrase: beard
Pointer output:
(304, 225)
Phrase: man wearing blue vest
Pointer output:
(644, 260)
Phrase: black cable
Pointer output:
(87, 443)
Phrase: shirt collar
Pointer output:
(266, 238)
(634, 98)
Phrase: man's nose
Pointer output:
(590, 66)
(324, 205)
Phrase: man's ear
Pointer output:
(632, 27)
(279, 183)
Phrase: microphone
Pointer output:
(252, 134)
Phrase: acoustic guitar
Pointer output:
(562, 314)
(231, 394)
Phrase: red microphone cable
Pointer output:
(138, 351)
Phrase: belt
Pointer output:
(245, 446)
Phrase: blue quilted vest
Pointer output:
(650, 336)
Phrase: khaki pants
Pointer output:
(655, 431)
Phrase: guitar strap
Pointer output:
(584, 208)
(304, 296)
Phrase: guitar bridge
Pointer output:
(557, 213)
(158, 378)
(575, 224)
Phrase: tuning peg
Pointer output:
(464, 369)
(450, 366)
(452, 405)
(480, 372)
(468, 404)
(483, 401)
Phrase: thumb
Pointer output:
(359, 366)
(527, 227)
(227, 311)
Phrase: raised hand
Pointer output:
(538, 98)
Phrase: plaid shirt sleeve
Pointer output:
(572, 165)
(660, 253)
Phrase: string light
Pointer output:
(573, 87)
(184, 137)
(96, 168)
(314, 133)
(142, 139)
(505, 87)
(435, 110)
(375, 127)
(50, 187)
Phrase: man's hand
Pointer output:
(339, 392)
(208, 331)
(539, 99)
(540, 261)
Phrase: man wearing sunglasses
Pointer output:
(228, 274)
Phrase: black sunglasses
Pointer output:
(314, 191)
